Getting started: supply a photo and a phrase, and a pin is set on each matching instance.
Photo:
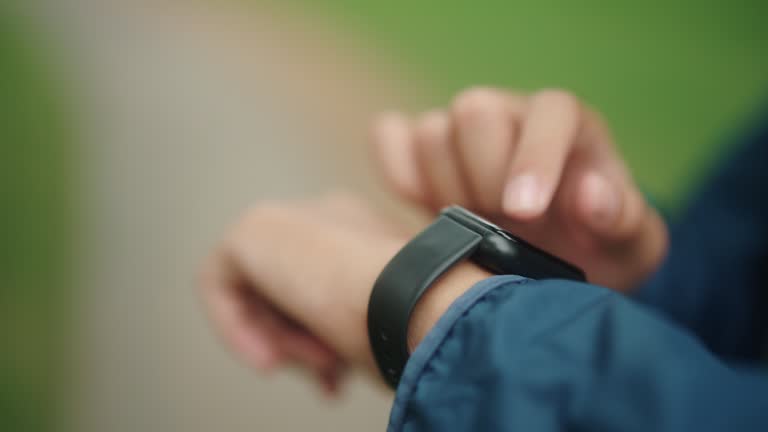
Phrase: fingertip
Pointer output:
(433, 128)
(477, 102)
(546, 140)
(525, 198)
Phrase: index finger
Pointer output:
(548, 134)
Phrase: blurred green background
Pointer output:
(37, 197)
(674, 79)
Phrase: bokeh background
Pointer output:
(132, 132)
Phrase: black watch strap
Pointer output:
(403, 281)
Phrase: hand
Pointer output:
(542, 165)
(290, 283)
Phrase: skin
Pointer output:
(272, 315)
(541, 165)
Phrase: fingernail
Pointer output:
(522, 196)
(602, 198)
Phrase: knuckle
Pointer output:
(259, 211)
(432, 130)
(253, 217)
(381, 122)
(559, 97)
(475, 102)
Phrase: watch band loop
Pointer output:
(403, 281)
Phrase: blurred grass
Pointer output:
(674, 79)
(35, 161)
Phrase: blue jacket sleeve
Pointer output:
(519, 355)
(713, 279)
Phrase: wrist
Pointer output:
(436, 267)
(439, 297)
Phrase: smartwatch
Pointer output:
(455, 235)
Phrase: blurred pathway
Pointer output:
(189, 114)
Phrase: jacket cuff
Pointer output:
(425, 351)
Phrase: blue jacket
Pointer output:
(684, 354)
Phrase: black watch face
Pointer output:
(464, 212)
(504, 253)
(471, 219)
